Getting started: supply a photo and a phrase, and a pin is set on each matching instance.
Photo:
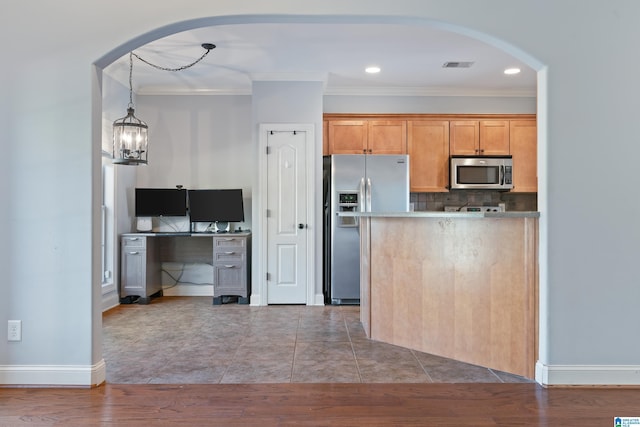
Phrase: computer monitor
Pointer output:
(151, 202)
(216, 206)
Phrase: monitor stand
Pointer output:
(222, 227)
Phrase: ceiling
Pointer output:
(411, 59)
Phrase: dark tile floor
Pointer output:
(188, 340)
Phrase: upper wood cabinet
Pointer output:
(430, 139)
(347, 136)
(428, 147)
(367, 137)
(524, 149)
(464, 137)
(479, 137)
(387, 137)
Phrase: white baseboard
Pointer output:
(319, 299)
(587, 375)
(254, 300)
(65, 375)
(109, 301)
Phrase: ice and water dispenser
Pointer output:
(347, 202)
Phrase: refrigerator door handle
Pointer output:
(361, 200)
(368, 197)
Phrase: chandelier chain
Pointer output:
(131, 79)
(130, 134)
(184, 67)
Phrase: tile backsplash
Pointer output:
(459, 198)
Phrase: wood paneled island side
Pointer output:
(458, 285)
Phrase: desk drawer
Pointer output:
(131, 242)
(228, 255)
(230, 279)
(222, 243)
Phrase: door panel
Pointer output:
(388, 179)
(348, 137)
(464, 137)
(387, 137)
(494, 137)
(287, 265)
(428, 145)
(347, 175)
(286, 206)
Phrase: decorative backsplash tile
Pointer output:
(437, 201)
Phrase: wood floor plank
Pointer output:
(317, 405)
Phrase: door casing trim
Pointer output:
(259, 283)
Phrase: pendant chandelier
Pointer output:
(130, 134)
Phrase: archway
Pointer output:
(121, 50)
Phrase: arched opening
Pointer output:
(281, 19)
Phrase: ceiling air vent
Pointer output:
(458, 64)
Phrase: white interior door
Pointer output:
(287, 230)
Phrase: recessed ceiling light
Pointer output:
(372, 69)
(510, 71)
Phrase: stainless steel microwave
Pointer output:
(481, 173)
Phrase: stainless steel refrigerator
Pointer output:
(361, 183)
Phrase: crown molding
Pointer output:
(181, 90)
(290, 77)
(344, 91)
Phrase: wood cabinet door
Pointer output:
(494, 137)
(464, 137)
(428, 147)
(347, 136)
(524, 149)
(387, 137)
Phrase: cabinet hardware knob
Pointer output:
(301, 226)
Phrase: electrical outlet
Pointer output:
(14, 332)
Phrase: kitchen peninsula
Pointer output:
(461, 285)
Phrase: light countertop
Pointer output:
(442, 214)
(186, 233)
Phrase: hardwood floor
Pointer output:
(495, 404)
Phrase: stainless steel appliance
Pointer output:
(481, 173)
(356, 183)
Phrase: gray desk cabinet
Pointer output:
(140, 268)
(231, 261)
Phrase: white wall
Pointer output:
(588, 107)
(199, 142)
(289, 103)
(122, 179)
(429, 104)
